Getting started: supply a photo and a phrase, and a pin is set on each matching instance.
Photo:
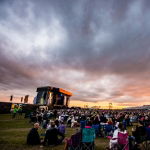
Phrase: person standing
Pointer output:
(15, 112)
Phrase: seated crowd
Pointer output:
(110, 124)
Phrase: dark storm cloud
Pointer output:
(100, 45)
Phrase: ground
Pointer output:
(13, 133)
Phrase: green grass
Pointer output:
(13, 133)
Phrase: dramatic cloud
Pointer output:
(98, 49)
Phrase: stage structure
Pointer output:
(52, 96)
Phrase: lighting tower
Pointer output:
(110, 106)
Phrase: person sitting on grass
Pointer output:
(51, 137)
(33, 137)
(62, 128)
(139, 133)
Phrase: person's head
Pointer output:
(109, 119)
(140, 123)
(121, 127)
(16, 106)
(36, 125)
(89, 123)
(62, 122)
(77, 130)
(52, 124)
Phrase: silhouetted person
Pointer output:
(33, 137)
(51, 137)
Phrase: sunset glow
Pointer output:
(97, 50)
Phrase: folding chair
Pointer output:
(123, 141)
(148, 133)
(75, 142)
(124, 123)
(88, 136)
(97, 129)
(145, 145)
(102, 130)
(108, 129)
(82, 124)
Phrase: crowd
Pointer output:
(110, 124)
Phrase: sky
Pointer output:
(97, 49)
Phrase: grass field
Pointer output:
(13, 133)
